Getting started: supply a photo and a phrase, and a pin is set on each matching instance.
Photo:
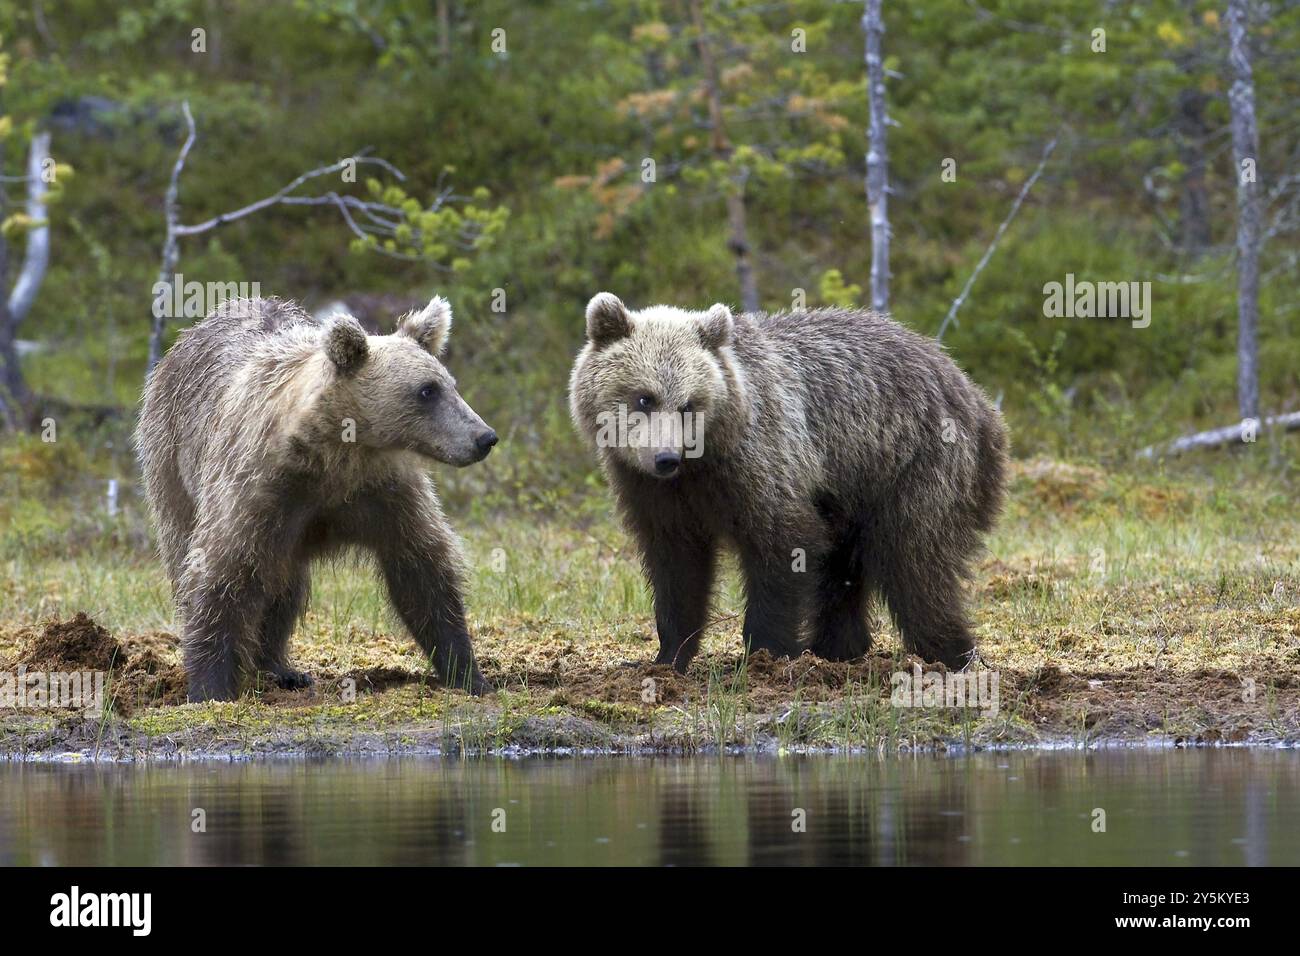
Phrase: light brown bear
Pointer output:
(840, 454)
(268, 439)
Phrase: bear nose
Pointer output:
(666, 462)
(485, 441)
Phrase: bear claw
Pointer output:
(290, 679)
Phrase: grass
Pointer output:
(1112, 606)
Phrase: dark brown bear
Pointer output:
(840, 454)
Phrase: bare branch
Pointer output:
(280, 195)
(380, 219)
(171, 246)
(173, 185)
(957, 303)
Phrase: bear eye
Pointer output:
(645, 402)
(428, 392)
(688, 408)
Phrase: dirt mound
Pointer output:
(375, 679)
(631, 684)
(765, 679)
(774, 680)
(78, 644)
(139, 675)
(147, 681)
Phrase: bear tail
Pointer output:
(991, 480)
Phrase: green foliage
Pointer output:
(524, 173)
(781, 108)
(833, 290)
(439, 233)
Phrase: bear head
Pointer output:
(648, 382)
(398, 393)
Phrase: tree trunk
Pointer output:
(167, 274)
(873, 25)
(1194, 203)
(15, 397)
(1245, 148)
(737, 215)
(443, 12)
(739, 244)
(36, 257)
(171, 250)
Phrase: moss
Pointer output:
(1111, 605)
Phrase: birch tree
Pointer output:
(873, 26)
(1245, 148)
(31, 223)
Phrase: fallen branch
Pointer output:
(957, 303)
(1221, 436)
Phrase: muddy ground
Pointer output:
(556, 694)
(1131, 607)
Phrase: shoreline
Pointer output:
(1113, 610)
(84, 740)
(634, 754)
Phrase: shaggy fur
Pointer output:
(844, 456)
(267, 440)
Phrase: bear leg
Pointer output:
(420, 564)
(427, 598)
(419, 557)
(278, 621)
(841, 631)
(775, 596)
(221, 615)
(926, 601)
(681, 575)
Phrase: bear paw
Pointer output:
(287, 678)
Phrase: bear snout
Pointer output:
(667, 463)
(485, 442)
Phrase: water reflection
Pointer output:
(1226, 807)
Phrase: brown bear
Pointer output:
(840, 454)
(268, 439)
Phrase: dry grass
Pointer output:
(1110, 606)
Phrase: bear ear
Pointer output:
(430, 326)
(716, 327)
(345, 343)
(607, 319)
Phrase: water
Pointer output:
(1209, 807)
